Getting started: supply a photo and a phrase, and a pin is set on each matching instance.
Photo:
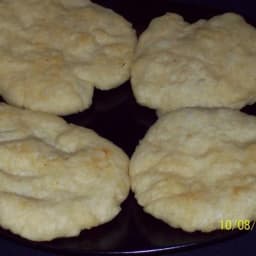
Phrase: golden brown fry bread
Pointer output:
(197, 167)
(56, 178)
(54, 52)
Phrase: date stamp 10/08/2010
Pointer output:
(239, 224)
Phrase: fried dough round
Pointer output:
(54, 52)
(210, 63)
(56, 178)
(197, 167)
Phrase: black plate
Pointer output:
(116, 115)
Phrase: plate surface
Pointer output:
(116, 116)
